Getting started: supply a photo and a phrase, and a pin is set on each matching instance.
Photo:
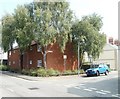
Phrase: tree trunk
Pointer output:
(44, 57)
(81, 60)
(21, 61)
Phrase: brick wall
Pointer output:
(13, 59)
(54, 58)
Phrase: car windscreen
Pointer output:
(94, 66)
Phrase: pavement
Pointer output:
(18, 75)
(32, 78)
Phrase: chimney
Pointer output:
(111, 40)
(117, 42)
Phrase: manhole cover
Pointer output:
(34, 88)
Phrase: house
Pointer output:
(3, 57)
(109, 56)
(33, 58)
(119, 52)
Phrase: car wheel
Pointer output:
(88, 75)
(106, 72)
(97, 73)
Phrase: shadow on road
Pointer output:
(85, 76)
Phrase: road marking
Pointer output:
(77, 87)
(93, 88)
(87, 89)
(105, 91)
(10, 89)
(101, 92)
(82, 84)
(116, 96)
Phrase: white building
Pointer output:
(119, 52)
(109, 56)
(3, 56)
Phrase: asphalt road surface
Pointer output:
(63, 86)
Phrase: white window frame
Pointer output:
(39, 48)
(14, 51)
(9, 53)
(9, 63)
(30, 62)
(13, 62)
(39, 63)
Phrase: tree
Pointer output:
(86, 34)
(23, 29)
(0, 35)
(8, 33)
(53, 23)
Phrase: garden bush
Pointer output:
(75, 71)
(25, 72)
(67, 72)
(82, 71)
(4, 68)
(33, 72)
(52, 72)
(42, 72)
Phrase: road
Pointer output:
(63, 86)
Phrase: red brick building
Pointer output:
(33, 58)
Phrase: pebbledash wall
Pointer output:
(33, 58)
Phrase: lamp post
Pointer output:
(64, 57)
(78, 57)
(90, 57)
(1, 56)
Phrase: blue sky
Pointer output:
(108, 9)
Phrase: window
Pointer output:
(13, 62)
(31, 48)
(14, 51)
(39, 48)
(9, 53)
(9, 62)
(39, 63)
(30, 62)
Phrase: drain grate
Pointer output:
(34, 88)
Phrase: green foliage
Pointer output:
(33, 72)
(73, 72)
(23, 27)
(8, 33)
(25, 72)
(82, 71)
(95, 20)
(52, 72)
(0, 35)
(53, 23)
(67, 72)
(42, 72)
(4, 68)
(86, 32)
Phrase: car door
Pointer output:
(101, 68)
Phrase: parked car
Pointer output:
(97, 70)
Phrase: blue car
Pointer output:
(97, 70)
